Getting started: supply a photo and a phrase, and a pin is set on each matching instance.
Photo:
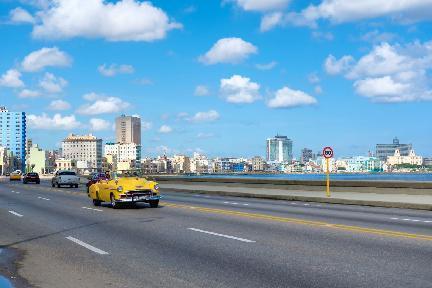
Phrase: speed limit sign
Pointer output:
(327, 152)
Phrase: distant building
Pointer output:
(427, 161)
(306, 155)
(383, 151)
(258, 164)
(65, 164)
(398, 159)
(39, 160)
(128, 129)
(279, 149)
(181, 164)
(359, 164)
(123, 151)
(13, 135)
(83, 148)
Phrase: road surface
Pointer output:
(210, 241)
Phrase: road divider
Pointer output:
(222, 235)
(88, 246)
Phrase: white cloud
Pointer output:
(124, 20)
(52, 84)
(201, 90)
(239, 89)
(261, 5)
(228, 50)
(97, 124)
(145, 126)
(288, 98)
(12, 79)
(59, 105)
(208, 116)
(269, 21)
(45, 57)
(394, 73)
(313, 78)
(115, 69)
(319, 35)
(339, 11)
(266, 66)
(19, 15)
(334, 66)
(205, 135)
(164, 129)
(27, 93)
(57, 122)
(102, 105)
(383, 87)
(377, 37)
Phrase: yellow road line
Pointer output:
(301, 222)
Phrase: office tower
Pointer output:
(13, 135)
(384, 150)
(128, 129)
(279, 149)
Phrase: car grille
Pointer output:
(140, 193)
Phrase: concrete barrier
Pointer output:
(380, 187)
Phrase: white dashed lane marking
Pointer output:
(15, 192)
(88, 246)
(99, 210)
(412, 220)
(235, 203)
(42, 198)
(15, 213)
(222, 235)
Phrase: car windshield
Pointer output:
(32, 174)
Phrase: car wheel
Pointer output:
(76, 185)
(38, 182)
(114, 204)
(97, 202)
(154, 203)
(58, 185)
(52, 184)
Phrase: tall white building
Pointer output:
(86, 148)
(123, 151)
(279, 149)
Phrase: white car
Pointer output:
(65, 178)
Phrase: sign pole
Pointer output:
(327, 154)
(328, 177)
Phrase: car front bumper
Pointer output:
(139, 198)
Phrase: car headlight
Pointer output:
(156, 187)
(119, 188)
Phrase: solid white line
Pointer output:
(222, 235)
(15, 213)
(92, 209)
(88, 246)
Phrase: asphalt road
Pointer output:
(210, 241)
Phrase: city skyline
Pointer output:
(193, 93)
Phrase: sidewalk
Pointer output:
(423, 202)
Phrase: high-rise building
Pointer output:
(306, 155)
(128, 129)
(384, 150)
(279, 149)
(86, 148)
(13, 134)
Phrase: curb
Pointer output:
(311, 199)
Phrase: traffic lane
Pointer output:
(219, 224)
(280, 254)
(315, 205)
(383, 218)
(396, 219)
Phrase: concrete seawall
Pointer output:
(380, 187)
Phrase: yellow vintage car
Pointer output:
(120, 190)
(15, 176)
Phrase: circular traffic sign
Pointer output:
(327, 152)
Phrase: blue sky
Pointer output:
(221, 76)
